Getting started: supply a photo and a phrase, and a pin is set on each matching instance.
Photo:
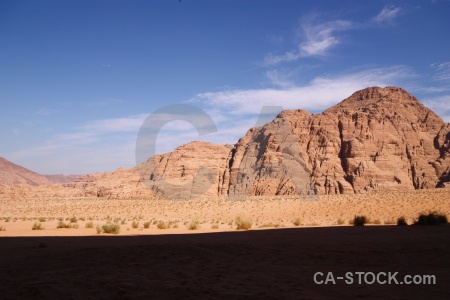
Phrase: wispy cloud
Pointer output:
(387, 14)
(318, 94)
(439, 105)
(126, 124)
(237, 110)
(316, 39)
(442, 72)
(320, 37)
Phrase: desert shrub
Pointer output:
(61, 224)
(89, 224)
(401, 221)
(147, 224)
(2, 228)
(340, 221)
(359, 220)
(161, 225)
(99, 229)
(194, 225)
(175, 225)
(124, 221)
(7, 219)
(135, 224)
(112, 228)
(37, 226)
(242, 224)
(432, 218)
(73, 220)
(215, 226)
(297, 222)
(41, 219)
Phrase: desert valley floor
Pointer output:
(215, 260)
(140, 217)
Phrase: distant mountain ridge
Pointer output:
(11, 173)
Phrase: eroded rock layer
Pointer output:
(378, 139)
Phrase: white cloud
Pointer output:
(319, 94)
(317, 38)
(320, 37)
(236, 110)
(126, 124)
(442, 71)
(106, 144)
(440, 105)
(387, 14)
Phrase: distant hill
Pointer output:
(10, 173)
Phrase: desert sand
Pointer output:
(17, 217)
(215, 260)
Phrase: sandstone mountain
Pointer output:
(377, 139)
(10, 173)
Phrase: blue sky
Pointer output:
(78, 78)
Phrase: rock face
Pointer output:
(192, 170)
(378, 139)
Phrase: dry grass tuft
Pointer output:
(242, 224)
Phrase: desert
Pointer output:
(148, 217)
(195, 149)
(300, 198)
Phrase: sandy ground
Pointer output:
(17, 217)
(221, 262)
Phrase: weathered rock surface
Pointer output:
(377, 139)
(192, 170)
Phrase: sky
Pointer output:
(78, 79)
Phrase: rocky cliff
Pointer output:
(378, 139)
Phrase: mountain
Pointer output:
(378, 139)
(11, 173)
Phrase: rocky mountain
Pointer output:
(10, 173)
(378, 139)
